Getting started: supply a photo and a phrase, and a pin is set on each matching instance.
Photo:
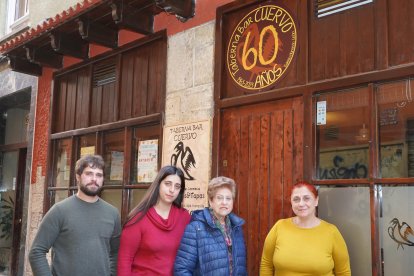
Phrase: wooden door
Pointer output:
(261, 147)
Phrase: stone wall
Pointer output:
(35, 214)
(190, 75)
(43, 9)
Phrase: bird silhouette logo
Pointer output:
(401, 233)
(183, 159)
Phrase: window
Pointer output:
(327, 7)
(17, 15)
(343, 134)
(122, 182)
(364, 159)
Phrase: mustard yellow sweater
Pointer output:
(290, 250)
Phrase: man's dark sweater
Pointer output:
(84, 238)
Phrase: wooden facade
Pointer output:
(267, 139)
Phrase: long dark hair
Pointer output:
(151, 196)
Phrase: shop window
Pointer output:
(131, 156)
(396, 230)
(349, 209)
(87, 144)
(342, 121)
(396, 128)
(327, 7)
(113, 154)
(62, 163)
(145, 148)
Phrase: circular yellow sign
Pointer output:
(261, 47)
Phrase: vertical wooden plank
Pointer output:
(366, 40)
(60, 109)
(298, 128)
(398, 16)
(71, 102)
(276, 163)
(254, 177)
(127, 84)
(333, 46)
(287, 160)
(264, 181)
(82, 99)
(96, 106)
(141, 83)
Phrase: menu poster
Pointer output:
(87, 150)
(147, 165)
(187, 146)
(117, 165)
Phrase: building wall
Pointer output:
(190, 75)
(39, 10)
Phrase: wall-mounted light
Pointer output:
(363, 134)
(4, 115)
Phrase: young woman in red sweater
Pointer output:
(152, 234)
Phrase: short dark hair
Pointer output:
(151, 196)
(91, 161)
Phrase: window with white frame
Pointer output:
(17, 15)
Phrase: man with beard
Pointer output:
(82, 230)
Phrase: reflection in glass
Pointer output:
(396, 128)
(145, 155)
(343, 134)
(57, 196)
(62, 169)
(113, 197)
(87, 145)
(396, 230)
(349, 209)
(136, 196)
(113, 154)
(13, 125)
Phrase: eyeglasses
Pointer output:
(221, 198)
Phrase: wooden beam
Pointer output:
(45, 57)
(70, 45)
(141, 22)
(183, 9)
(21, 65)
(98, 34)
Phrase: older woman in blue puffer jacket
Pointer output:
(213, 242)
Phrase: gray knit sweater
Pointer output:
(84, 238)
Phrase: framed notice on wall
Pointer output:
(147, 164)
(187, 146)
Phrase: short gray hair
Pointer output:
(221, 182)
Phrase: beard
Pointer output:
(89, 192)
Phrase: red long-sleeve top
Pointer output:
(149, 247)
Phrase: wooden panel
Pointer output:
(342, 44)
(260, 149)
(71, 102)
(83, 98)
(127, 85)
(96, 106)
(60, 105)
(142, 88)
(108, 113)
(400, 28)
(157, 74)
(141, 83)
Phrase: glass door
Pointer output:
(12, 168)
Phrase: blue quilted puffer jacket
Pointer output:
(203, 250)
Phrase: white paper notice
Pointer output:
(321, 113)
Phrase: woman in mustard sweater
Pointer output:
(304, 244)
